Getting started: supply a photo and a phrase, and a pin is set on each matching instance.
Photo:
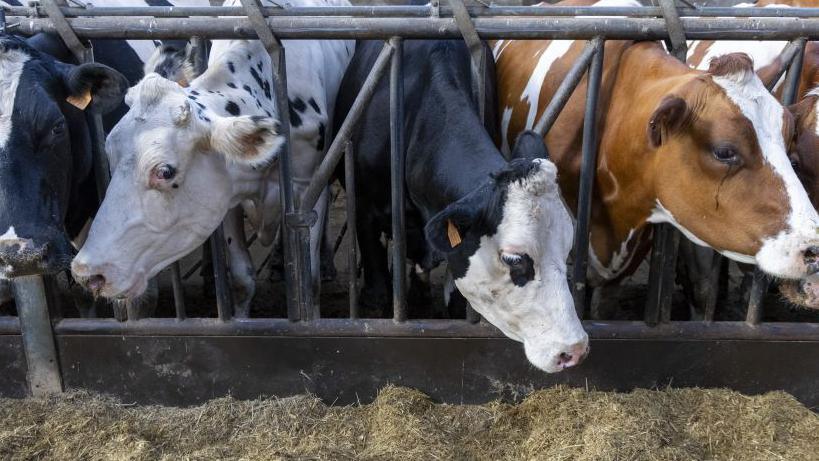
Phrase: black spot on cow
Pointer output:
(259, 66)
(314, 105)
(295, 118)
(231, 85)
(232, 108)
(231, 67)
(243, 101)
(249, 57)
(298, 104)
(201, 106)
(210, 91)
(263, 84)
(523, 271)
(247, 88)
(268, 113)
(321, 133)
(192, 98)
(175, 186)
(258, 104)
(194, 92)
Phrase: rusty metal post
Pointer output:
(43, 374)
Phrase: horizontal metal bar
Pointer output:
(417, 11)
(432, 28)
(430, 329)
(9, 326)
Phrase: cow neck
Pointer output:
(646, 74)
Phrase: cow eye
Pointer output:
(726, 154)
(511, 259)
(164, 172)
(795, 163)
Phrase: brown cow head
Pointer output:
(722, 174)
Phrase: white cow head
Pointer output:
(506, 244)
(178, 168)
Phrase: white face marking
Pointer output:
(531, 94)
(780, 255)
(540, 313)
(11, 67)
(10, 238)
(619, 260)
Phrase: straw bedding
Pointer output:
(558, 423)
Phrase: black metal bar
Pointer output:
(399, 239)
(2, 21)
(428, 329)
(178, 291)
(786, 57)
(759, 288)
(588, 167)
(476, 51)
(665, 243)
(404, 11)
(224, 295)
(565, 90)
(676, 33)
(433, 28)
(327, 168)
(352, 228)
(792, 80)
(9, 326)
(38, 339)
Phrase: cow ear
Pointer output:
(530, 145)
(667, 119)
(94, 86)
(447, 229)
(251, 140)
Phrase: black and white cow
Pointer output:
(47, 184)
(501, 225)
(184, 157)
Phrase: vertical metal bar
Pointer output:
(224, 296)
(755, 301)
(178, 291)
(792, 80)
(761, 283)
(588, 166)
(38, 338)
(352, 228)
(399, 244)
(661, 274)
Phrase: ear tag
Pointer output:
(80, 102)
(453, 234)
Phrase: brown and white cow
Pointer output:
(804, 150)
(704, 151)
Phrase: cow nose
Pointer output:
(573, 355)
(811, 258)
(95, 283)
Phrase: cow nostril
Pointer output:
(95, 283)
(564, 359)
(811, 258)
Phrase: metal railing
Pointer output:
(393, 24)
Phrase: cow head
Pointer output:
(45, 153)
(178, 168)
(720, 170)
(506, 244)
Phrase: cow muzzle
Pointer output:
(21, 256)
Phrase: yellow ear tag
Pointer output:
(453, 234)
(80, 102)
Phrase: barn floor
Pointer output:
(557, 423)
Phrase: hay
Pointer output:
(554, 424)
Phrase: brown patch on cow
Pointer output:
(731, 64)
(699, 52)
(804, 153)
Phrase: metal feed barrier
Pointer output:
(185, 360)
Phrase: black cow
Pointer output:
(500, 225)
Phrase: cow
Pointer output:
(705, 151)
(185, 156)
(500, 225)
(47, 184)
(768, 63)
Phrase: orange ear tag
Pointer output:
(80, 102)
(453, 234)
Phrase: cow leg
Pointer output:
(418, 294)
(376, 292)
(603, 301)
(243, 283)
(698, 273)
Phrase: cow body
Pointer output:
(183, 157)
(676, 145)
(513, 231)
